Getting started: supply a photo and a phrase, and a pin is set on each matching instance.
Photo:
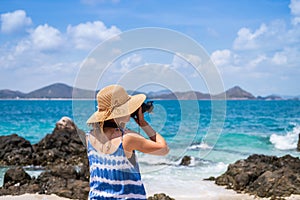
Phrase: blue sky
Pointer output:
(254, 44)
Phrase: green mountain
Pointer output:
(63, 91)
(54, 91)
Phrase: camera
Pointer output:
(146, 107)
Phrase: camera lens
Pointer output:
(146, 107)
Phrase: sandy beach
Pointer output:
(208, 192)
(33, 197)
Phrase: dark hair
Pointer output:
(110, 124)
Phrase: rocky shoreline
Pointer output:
(263, 176)
(61, 155)
(63, 158)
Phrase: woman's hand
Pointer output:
(144, 125)
(139, 119)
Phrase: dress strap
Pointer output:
(87, 138)
(123, 132)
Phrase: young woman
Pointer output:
(114, 171)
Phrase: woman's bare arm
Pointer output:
(134, 141)
(156, 145)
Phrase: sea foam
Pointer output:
(202, 145)
(288, 141)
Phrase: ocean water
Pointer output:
(236, 130)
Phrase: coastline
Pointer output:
(33, 197)
(207, 191)
(155, 99)
(47, 99)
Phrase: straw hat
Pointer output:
(113, 101)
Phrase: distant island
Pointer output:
(63, 91)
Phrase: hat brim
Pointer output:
(126, 109)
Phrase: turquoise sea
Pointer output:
(249, 126)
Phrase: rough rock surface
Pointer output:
(62, 180)
(15, 150)
(186, 161)
(61, 153)
(263, 176)
(16, 176)
(160, 196)
(62, 146)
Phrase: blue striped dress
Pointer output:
(113, 176)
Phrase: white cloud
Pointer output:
(46, 38)
(178, 62)
(181, 60)
(288, 58)
(269, 52)
(267, 37)
(129, 63)
(87, 35)
(190, 66)
(295, 7)
(14, 21)
(43, 54)
(295, 11)
(57, 68)
(247, 39)
(221, 57)
(257, 61)
(279, 58)
(296, 20)
(32, 68)
(253, 69)
(42, 39)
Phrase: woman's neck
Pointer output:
(107, 134)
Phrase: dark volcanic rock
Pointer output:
(15, 150)
(15, 176)
(17, 182)
(160, 196)
(186, 160)
(62, 180)
(62, 146)
(264, 176)
(211, 178)
(63, 155)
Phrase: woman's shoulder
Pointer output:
(131, 136)
(131, 133)
(130, 139)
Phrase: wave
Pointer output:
(174, 161)
(288, 141)
(202, 145)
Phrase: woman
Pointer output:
(114, 172)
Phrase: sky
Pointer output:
(253, 44)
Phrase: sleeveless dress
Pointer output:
(113, 176)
